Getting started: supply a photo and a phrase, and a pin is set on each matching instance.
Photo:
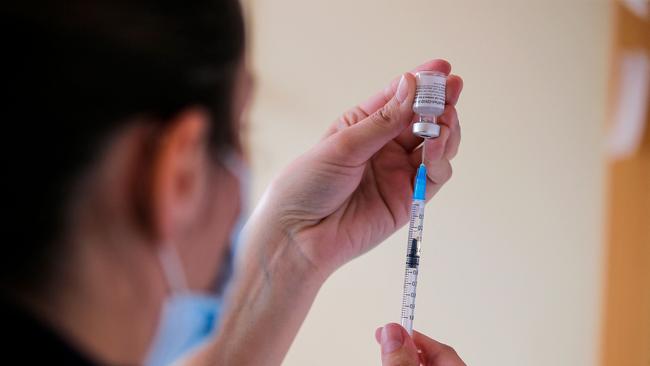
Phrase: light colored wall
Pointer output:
(511, 263)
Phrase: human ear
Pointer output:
(178, 173)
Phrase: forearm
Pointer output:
(272, 291)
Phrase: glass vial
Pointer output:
(429, 102)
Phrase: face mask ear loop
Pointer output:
(172, 268)
(235, 164)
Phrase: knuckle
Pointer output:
(351, 117)
(384, 116)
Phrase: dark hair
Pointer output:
(75, 72)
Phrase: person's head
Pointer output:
(120, 120)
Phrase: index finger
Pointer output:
(372, 104)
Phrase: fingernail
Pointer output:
(391, 338)
(402, 90)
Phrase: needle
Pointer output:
(424, 145)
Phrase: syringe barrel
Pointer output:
(412, 264)
(416, 224)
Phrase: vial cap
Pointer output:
(426, 130)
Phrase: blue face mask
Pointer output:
(188, 318)
(187, 321)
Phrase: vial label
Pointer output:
(431, 92)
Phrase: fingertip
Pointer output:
(392, 338)
(404, 101)
(454, 88)
(441, 65)
(435, 65)
(457, 78)
(444, 65)
(378, 334)
(406, 90)
(393, 327)
(410, 79)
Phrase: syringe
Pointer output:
(413, 249)
(428, 104)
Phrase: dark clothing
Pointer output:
(28, 341)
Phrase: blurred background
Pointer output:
(512, 269)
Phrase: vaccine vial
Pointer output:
(429, 102)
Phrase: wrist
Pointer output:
(272, 291)
(279, 252)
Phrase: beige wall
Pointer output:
(511, 263)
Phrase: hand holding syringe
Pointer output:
(347, 194)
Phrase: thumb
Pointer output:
(359, 142)
(397, 347)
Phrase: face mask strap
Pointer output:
(235, 164)
(172, 267)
